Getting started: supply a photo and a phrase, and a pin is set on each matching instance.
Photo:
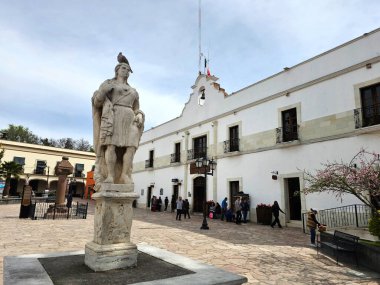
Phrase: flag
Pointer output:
(207, 69)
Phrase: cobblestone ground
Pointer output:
(262, 254)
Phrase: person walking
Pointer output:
(245, 209)
(159, 204)
(166, 203)
(179, 208)
(312, 224)
(186, 208)
(238, 211)
(276, 213)
(224, 208)
(173, 204)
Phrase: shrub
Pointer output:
(374, 224)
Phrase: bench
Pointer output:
(343, 242)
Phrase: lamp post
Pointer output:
(205, 164)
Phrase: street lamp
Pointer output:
(206, 164)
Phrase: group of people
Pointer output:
(236, 213)
(155, 204)
(183, 207)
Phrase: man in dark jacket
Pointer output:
(166, 203)
(276, 212)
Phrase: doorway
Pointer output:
(234, 191)
(199, 194)
(294, 198)
(175, 192)
(149, 196)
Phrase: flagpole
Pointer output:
(200, 38)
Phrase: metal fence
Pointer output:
(44, 210)
(352, 216)
(12, 200)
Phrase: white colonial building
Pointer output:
(324, 109)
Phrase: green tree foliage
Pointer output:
(23, 134)
(19, 134)
(360, 177)
(374, 224)
(9, 169)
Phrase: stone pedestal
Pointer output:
(111, 247)
(62, 169)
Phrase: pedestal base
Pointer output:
(111, 247)
(112, 256)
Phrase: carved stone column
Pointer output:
(62, 169)
(111, 247)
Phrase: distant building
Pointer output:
(323, 109)
(39, 166)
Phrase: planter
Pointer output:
(264, 215)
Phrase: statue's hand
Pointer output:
(139, 120)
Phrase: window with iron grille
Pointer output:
(149, 162)
(176, 156)
(200, 147)
(40, 167)
(234, 138)
(370, 100)
(289, 125)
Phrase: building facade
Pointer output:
(39, 164)
(263, 136)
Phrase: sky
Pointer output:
(55, 53)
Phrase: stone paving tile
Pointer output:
(262, 254)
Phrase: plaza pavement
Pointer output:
(262, 254)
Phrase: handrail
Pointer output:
(345, 216)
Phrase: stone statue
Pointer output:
(118, 124)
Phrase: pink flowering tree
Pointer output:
(360, 177)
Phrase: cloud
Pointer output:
(55, 55)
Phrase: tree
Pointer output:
(360, 177)
(82, 145)
(67, 143)
(9, 169)
(19, 134)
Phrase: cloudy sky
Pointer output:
(55, 53)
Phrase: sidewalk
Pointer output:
(262, 254)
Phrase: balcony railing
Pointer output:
(286, 135)
(231, 145)
(149, 163)
(175, 158)
(196, 153)
(368, 116)
(39, 171)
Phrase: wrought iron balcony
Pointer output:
(175, 158)
(149, 163)
(39, 171)
(368, 116)
(231, 145)
(196, 153)
(287, 134)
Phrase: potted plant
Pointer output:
(264, 214)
